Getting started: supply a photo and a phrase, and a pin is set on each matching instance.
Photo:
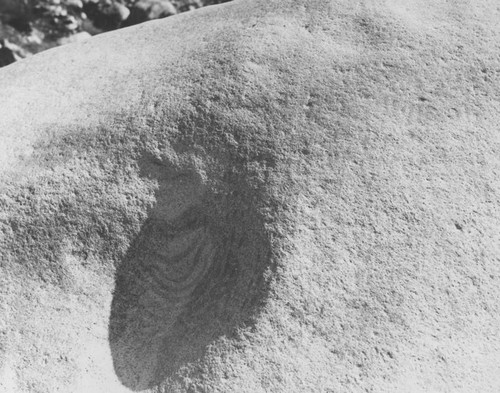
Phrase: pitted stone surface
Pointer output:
(264, 196)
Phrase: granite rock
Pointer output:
(262, 196)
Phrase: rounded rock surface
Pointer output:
(263, 196)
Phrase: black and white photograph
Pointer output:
(249, 196)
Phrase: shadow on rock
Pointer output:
(194, 273)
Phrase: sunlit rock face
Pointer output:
(264, 196)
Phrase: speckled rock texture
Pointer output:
(263, 196)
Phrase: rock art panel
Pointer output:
(263, 196)
(193, 273)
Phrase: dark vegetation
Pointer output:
(30, 26)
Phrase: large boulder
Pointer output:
(264, 196)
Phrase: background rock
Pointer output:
(144, 10)
(42, 24)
